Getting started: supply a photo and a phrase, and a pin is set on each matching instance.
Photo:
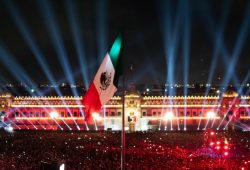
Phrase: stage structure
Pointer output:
(141, 112)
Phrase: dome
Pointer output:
(230, 93)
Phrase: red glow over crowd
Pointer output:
(144, 150)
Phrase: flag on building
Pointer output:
(105, 82)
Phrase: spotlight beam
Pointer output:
(28, 121)
(186, 48)
(20, 74)
(78, 41)
(57, 42)
(171, 41)
(170, 38)
(29, 39)
(73, 19)
(9, 61)
(14, 123)
(217, 46)
(235, 55)
(217, 43)
(102, 27)
(238, 46)
(27, 35)
(4, 81)
(239, 91)
(211, 29)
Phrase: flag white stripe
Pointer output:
(106, 89)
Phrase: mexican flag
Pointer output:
(105, 82)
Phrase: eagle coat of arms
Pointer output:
(105, 80)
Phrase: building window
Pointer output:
(17, 114)
(24, 114)
(43, 114)
(194, 114)
(119, 113)
(62, 114)
(154, 114)
(68, 114)
(37, 114)
(242, 113)
(182, 114)
(149, 114)
(112, 121)
(81, 114)
(106, 113)
(112, 113)
(75, 114)
(159, 114)
(188, 114)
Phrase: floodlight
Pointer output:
(9, 128)
(211, 115)
(168, 116)
(96, 116)
(62, 167)
(99, 118)
(54, 114)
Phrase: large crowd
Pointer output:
(101, 150)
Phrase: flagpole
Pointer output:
(123, 139)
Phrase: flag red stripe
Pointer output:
(92, 102)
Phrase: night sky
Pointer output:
(217, 31)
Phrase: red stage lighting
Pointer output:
(218, 142)
(211, 133)
(226, 153)
(217, 147)
(211, 143)
(225, 147)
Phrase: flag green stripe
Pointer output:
(115, 50)
(115, 58)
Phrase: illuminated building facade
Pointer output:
(141, 112)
